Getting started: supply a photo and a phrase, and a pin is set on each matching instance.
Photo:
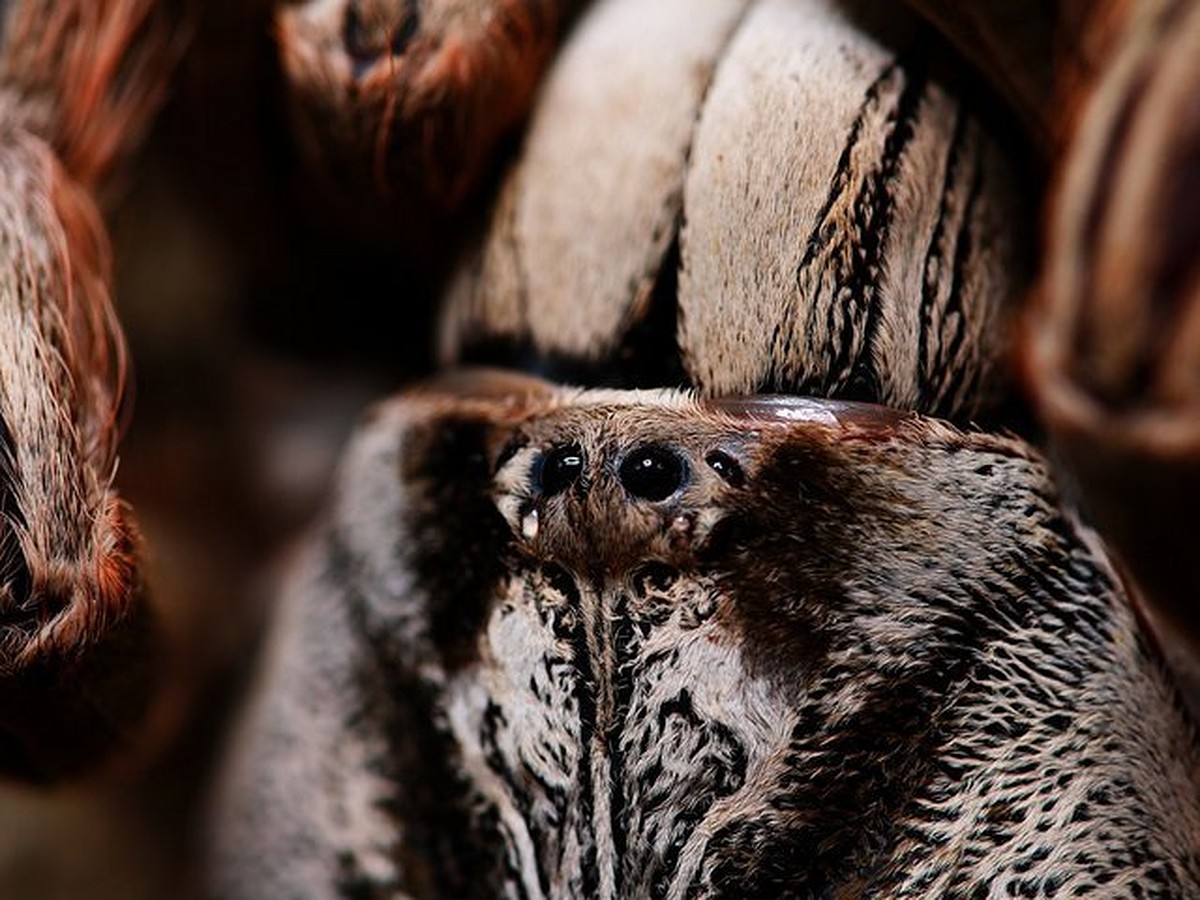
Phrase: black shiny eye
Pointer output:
(727, 467)
(560, 468)
(652, 472)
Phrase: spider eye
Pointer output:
(727, 467)
(652, 472)
(560, 468)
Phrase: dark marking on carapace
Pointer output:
(800, 514)
(457, 538)
(451, 844)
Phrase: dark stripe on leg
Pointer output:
(872, 226)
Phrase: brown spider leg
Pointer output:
(1113, 343)
(80, 652)
(400, 107)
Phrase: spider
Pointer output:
(766, 579)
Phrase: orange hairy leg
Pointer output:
(79, 649)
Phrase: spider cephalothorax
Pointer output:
(636, 644)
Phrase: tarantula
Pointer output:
(785, 596)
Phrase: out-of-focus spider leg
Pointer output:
(400, 106)
(1113, 347)
(80, 654)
